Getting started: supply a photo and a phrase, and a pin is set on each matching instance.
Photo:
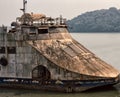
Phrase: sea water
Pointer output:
(106, 46)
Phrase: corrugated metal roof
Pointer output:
(74, 57)
(69, 51)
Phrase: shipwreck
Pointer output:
(38, 52)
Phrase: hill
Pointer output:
(105, 20)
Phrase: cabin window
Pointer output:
(2, 50)
(42, 31)
(11, 50)
(32, 31)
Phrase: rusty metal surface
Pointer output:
(49, 46)
(37, 16)
(71, 55)
(38, 49)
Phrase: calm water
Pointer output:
(106, 46)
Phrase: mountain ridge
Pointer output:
(104, 20)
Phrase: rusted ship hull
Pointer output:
(39, 52)
(68, 86)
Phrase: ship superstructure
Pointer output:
(38, 52)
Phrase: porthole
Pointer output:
(3, 61)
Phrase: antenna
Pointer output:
(24, 6)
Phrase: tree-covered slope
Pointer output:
(105, 20)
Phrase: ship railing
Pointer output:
(39, 21)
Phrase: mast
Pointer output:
(24, 6)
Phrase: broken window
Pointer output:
(42, 31)
(2, 50)
(32, 31)
(11, 50)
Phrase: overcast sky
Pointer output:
(9, 9)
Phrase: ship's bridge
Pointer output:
(33, 26)
(40, 20)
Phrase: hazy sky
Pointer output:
(9, 9)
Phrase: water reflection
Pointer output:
(109, 92)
